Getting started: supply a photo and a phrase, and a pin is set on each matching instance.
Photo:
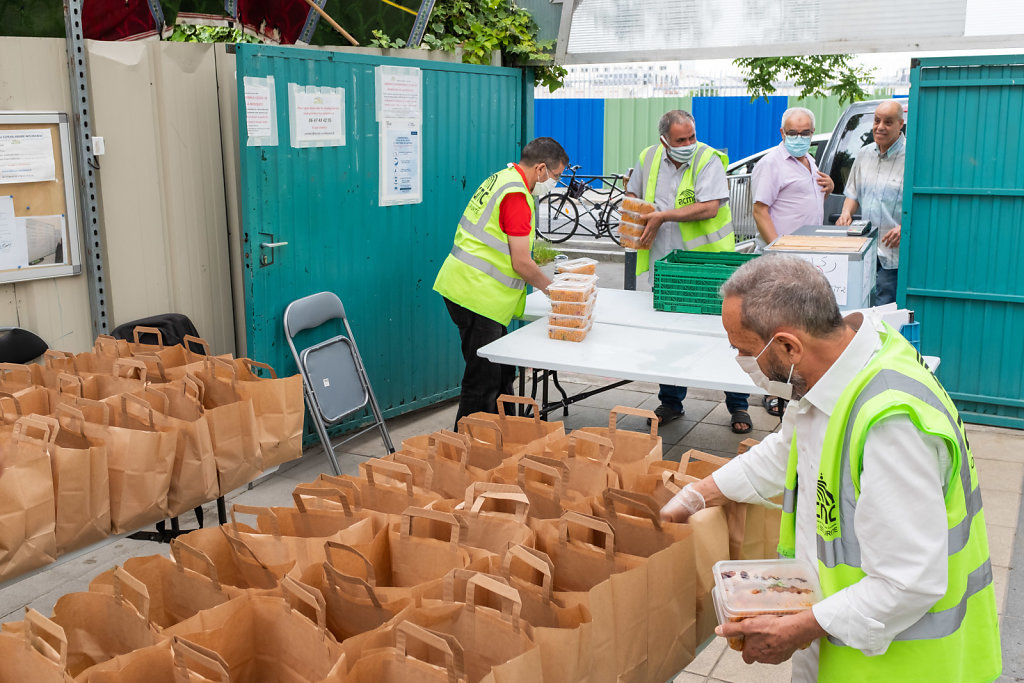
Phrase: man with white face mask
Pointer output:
(685, 180)
(880, 489)
(483, 280)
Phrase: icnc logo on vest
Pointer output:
(686, 198)
(827, 524)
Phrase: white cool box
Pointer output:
(847, 262)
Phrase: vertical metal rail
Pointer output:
(87, 166)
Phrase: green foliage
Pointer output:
(544, 252)
(191, 33)
(816, 75)
(481, 26)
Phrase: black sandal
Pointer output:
(774, 405)
(741, 417)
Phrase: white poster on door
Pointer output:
(260, 111)
(26, 156)
(835, 268)
(317, 116)
(13, 247)
(399, 92)
(401, 162)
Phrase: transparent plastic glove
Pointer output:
(683, 505)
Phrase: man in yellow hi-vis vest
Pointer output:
(881, 494)
(685, 180)
(483, 280)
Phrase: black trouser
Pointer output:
(483, 381)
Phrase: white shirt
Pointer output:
(900, 520)
(876, 182)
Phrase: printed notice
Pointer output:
(401, 162)
(44, 239)
(399, 92)
(317, 116)
(26, 156)
(13, 250)
(835, 268)
(260, 111)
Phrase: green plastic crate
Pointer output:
(688, 281)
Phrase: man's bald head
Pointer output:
(888, 124)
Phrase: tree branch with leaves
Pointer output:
(815, 75)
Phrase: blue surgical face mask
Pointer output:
(797, 145)
(681, 154)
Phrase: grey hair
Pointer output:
(797, 110)
(777, 290)
(672, 117)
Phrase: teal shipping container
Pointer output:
(962, 246)
(323, 203)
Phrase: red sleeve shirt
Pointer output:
(514, 214)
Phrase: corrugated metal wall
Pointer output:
(579, 126)
(631, 125)
(961, 247)
(737, 125)
(381, 261)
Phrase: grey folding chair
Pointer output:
(334, 378)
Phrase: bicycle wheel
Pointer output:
(557, 217)
(611, 220)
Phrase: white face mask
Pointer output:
(546, 187)
(681, 154)
(783, 390)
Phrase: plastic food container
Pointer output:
(576, 277)
(751, 588)
(575, 321)
(636, 205)
(633, 217)
(630, 242)
(631, 230)
(579, 266)
(584, 308)
(572, 287)
(572, 334)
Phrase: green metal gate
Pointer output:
(963, 203)
(323, 201)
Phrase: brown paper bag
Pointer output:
(308, 519)
(175, 593)
(448, 456)
(519, 432)
(632, 451)
(416, 461)
(543, 480)
(588, 458)
(16, 376)
(563, 634)
(279, 407)
(388, 487)
(153, 664)
(497, 644)
(100, 627)
(418, 558)
(32, 400)
(580, 563)
(263, 638)
(81, 482)
(140, 461)
(178, 407)
(397, 665)
(494, 529)
(27, 508)
(216, 548)
(38, 654)
(233, 431)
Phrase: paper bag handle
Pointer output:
(14, 368)
(335, 576)
(85, 404)
(371, 573)
(511, 602)
(123, 368)
(641, 502)
(480, 492)
(257, 512)
(675, 481)
(604, 445)
(70, 418)
(64, 379)
(311, 597)
(349, 488)
(694, 454)
(412, 513)
(47, 426)
(393, 470)
(448, 645)
(415, 465)
(185, 652)
(141, 403)
(14, 399)
(188, 340)
(595, 524)
(190, 381)
(145, 358)
(36, 626)
(59, 360)
(460, 442)
(535, 559)
(521, 400)
(150, 392)
(319, 492)
(555, 471)
(241, 548)
(250, 364)
(178, 547)
(212, 363)
(103, 343)
(139, 330)
(613, 418)
(123, 579)
(470, 422)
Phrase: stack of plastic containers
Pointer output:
(633, 220)
(578, 266)
(572, 306)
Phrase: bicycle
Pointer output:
(558, 213)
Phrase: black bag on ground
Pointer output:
(173, 328)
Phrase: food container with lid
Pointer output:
(577, 321)
(636, 204)
(582, 308)
(564, 289)
(579, 266)
(573, 334)
(632, 217)
(751, 588)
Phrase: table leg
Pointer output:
(629, 276)
(522, 389)
(565, 397)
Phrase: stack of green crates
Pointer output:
(688, 281)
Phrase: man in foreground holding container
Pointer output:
(483, 279)
(881, 493)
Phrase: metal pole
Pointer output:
(629, 276)
(87, 166)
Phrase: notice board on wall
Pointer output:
(39, 226)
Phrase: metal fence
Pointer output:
(742, 205)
